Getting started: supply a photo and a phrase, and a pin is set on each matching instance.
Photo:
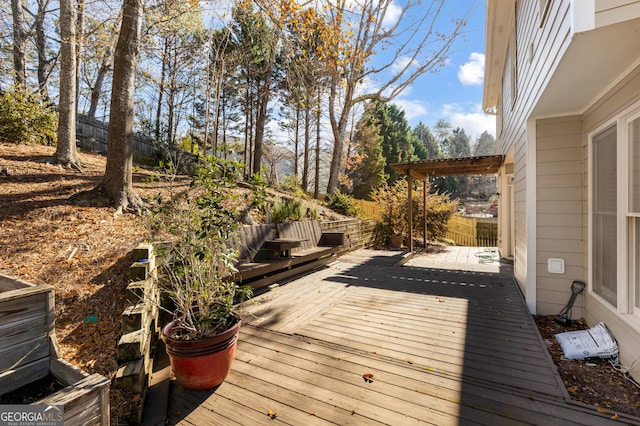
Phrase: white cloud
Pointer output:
(393, 14)
(400, 63)
(412, 108)
(474, 121)
(472, 73)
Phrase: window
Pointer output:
(633, 213)
(615, 214)
(634, 167)
(604, 216)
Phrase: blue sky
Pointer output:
(454, 93)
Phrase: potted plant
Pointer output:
(201, 337)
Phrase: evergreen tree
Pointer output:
(367, 174)
(485, 145)
(426, 146)
(397, 138)
(457, 145)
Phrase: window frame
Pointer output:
(627, 223)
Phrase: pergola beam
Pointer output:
(487, 164)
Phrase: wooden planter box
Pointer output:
(29, 352)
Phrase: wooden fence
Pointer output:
(473, 232)
(369, 209)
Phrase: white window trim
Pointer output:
(625, 308)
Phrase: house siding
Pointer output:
(550, 150)
(539, 51)
(559, 233)
(609, 12)
(625, 327)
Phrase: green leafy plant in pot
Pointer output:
(201, 339)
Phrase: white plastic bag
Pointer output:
(596, 342)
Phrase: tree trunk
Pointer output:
(117, 184)
(163, 71)
(247, 142)
(207, 99)
(96, 90)
(316, 190)
(296, 142)
(307, 138)
(79, 47)
(261, 120)
(339, 130)
(41, 47)
(171, 98)
(19, 41)
(66, 153)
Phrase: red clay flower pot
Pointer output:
(203, 363)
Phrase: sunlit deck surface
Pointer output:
(447, 339)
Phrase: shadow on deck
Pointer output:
(444, 346)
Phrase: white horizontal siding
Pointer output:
(609, 12)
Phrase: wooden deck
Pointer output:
(443, 346)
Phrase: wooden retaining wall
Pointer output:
(357, 233)
(140, 331)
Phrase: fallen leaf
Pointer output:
(603, 410)
(615, 416)
(409, 361)
(367, 377)
(272, 414)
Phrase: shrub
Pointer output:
(343, 204)
(24, 118)
(290, 185)
(289, 209)
(393, 202)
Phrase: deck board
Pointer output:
(445, 347)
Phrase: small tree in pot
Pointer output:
(201, 339)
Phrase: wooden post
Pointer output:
(410, 194)
(424, 212)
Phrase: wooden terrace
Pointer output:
(364, 342)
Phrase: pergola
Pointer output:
(422, 170)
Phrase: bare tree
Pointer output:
(66, 153)
(414, 48)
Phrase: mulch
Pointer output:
(593, 382)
